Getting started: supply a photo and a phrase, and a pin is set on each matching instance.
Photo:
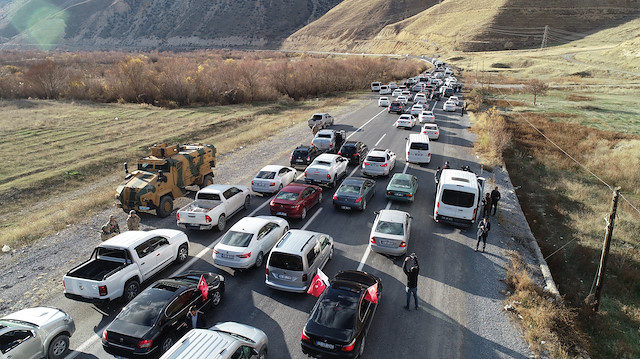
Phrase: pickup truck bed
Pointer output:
(201, 206)
(97, 269)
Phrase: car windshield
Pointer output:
(301, 152)
(349, 188)
(266, 175)
(394, 228)
(347, 149)
(287, 196)
(237, 239)
(375, 159)
(400, 183)
(146, 307)
(337, 309)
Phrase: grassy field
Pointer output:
(63, 160)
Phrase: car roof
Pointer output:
(327, 157)
(351, 143)
(291, 241)
(402, 176)
(272, 168)
(295, 187)
(431, 125)
(392, 215)
(249, 224)
(131, 238)
(355, 180)
(325, 131)
(217, 187)
(378, 151)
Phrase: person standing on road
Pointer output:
(446, 165)
(412, 279)
(315, 129)
(195, 319)
(486, 208)
(483, 231)
(109, 229)
(462, 109)
(495, 197)
(133, 221)
(436, 176)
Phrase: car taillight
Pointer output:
(339, 153)
(335, 196)
(403, 244)
(215, 251)
(272, 203)
(245, 255)
(102, 290)
(384, 165)
(252, 183)
(291, 157)
(373, 240)
(435, 133)
(328, 176)
(359, 200)
(147, 343)
(305, 337)
(305, 173)
(349, 347)
(105, 336)
(437, 206)
(207, 218)
(366, 163)
(474, 212)
(330, 145)
(272, 184)
(308, 158)
(177, 216)
(408, 153)
(266, 270)
(408, 195)
(423, 132)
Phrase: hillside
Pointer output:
(153, 24)
(428, 27)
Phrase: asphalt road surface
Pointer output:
(460, 314)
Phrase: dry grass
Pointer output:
(492, 136)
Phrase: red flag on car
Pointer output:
(372, 294)
(204, 288)
(318, 284)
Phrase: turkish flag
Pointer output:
(372, 294)
(318, 284)
(204, 288)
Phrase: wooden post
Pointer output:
(605, 250)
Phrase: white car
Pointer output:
(326, 169)
(406, 93)
(402, 99)
(420, 96)
(416, 109)
(431, 130)
(426, 116)
(393, 86)
(405, 121)
(397, 92)
(249, 241)
(272, 178)
(454, 99)
(379, 162)
(449, 106)
(390, 232)
(383, 102)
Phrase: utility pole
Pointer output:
(545, 37)
(605, 250)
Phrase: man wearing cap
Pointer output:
(133, 221)
(109, 229)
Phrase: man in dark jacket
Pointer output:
(495, 197)
(483, 231)
(412, 279)
(195, 319)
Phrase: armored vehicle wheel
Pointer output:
(165, 207)
(206, 180)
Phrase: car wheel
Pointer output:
(165, 207)
(320, 198)
(303, 215)
(166, 344)
(58, 347)
(207, 180)
(331, 253)
(216, 298)
(262, 354)
(361, 350)
(183, 253)
(259, 260)
(364, 205)
(247, 201)
(131, 290)
(280, 188)
(222, 222)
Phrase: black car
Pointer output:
(396, 107)
(338, 324)
(304, 155)
(355, 151)
(150, 324)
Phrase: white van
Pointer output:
(458, 197)
(385, 90)
(375, 86)
(418, 149)
(222, 341)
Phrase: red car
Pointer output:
(295, 200)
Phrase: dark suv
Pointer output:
(355, 151)
(396, 107)
(304, 155)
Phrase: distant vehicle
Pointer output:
(385, 90)
(449, 106)
(303, 155)
(458, 196)
(326, 169)
(426, 116)
(354, 192)
(229, 339)
(248, 241)
(397, 92)
(295, 200)
(405, 121)
(393, 86)
(416, 109)
(39, 332)
(397, 107)
(402, 187)
(339, 322)
(390, 232)
(375, 86)
(379, 162)
(420, 96)
(407, 94)
(455, 100)
(431, 130)
(296, 258)
(323, 120)
(329, 140)
(150, 324)
(418, 149)
(383, 102)
(402, 99)
(354, 151)
(118, 265)
(212, 207)
(272, 178)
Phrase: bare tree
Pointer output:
(536, 87)
(46, 79)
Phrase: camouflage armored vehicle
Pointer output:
(164, 175)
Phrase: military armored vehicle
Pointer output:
(164, 175)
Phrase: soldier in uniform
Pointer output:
(110, 229)
(315, 129)
(133, 221)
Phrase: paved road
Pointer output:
(460, 312)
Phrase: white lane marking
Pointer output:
(354, 170)
(434, 106)
(379, 140)
(87, 343)
(311, 219)
(366, 123)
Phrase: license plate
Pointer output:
(283, 276)
(324, 345)
(387, 243)
(299, 160)
(345, 207)
(119, 357)
(145, 207)
(281, 214)
(228, 256)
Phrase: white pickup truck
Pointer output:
(117, 266)
(212, 206)
(323, 120)
(326, 169)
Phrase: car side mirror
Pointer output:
(377, 212)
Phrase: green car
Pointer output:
(402, 187)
